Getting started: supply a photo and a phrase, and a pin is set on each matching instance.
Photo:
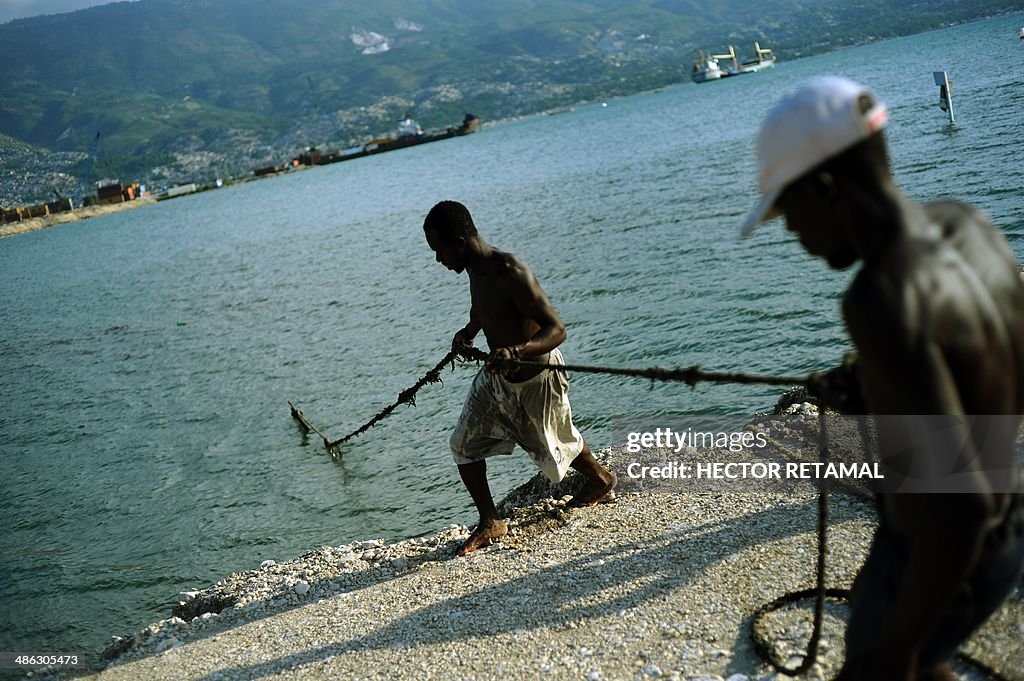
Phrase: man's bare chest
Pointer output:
(490, 303)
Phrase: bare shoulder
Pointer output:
(508, 264)
(512, 272)
(954, 214)
(970, 231)
(891, 301)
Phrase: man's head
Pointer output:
(449, 229)
(827, 127)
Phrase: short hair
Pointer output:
(450, 220)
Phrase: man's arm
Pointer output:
(465, 335)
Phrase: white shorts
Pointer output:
(534, 414)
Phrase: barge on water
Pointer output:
(409, 135)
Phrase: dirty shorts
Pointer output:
(534, 414)
(877, 588)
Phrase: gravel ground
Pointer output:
(651, 585)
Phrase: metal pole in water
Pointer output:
(945, 93)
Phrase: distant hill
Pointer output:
(184, 89)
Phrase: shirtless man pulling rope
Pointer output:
(528, 407)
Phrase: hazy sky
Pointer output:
(16, 9)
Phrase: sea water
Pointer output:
(148, 357)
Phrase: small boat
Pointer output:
(1022, 33)
(708, 67)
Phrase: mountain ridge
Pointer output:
(188, 89)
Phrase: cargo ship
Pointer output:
(710, 67)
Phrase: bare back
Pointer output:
(939, 324)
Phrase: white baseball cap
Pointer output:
(808, 126)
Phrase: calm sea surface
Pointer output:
(147, 357)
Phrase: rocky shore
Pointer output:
(32, 224)
(655, 584)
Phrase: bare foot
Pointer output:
(484, 535)
(595, 491)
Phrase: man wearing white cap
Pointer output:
(936, 313)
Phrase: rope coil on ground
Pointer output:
(820, 592)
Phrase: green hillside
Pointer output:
(184, 88)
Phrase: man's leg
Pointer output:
(600, 480)
(491, 526)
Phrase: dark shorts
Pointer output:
(877, 587)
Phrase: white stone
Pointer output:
(268, 563)
(301, 588)
(167, 644)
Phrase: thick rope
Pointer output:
(819, 593)
(761, 645)
(691, 376)
(407, 396)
